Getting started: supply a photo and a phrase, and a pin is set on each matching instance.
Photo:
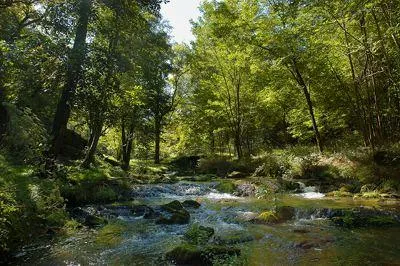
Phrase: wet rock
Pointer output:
(172, 206)
(143, 210)
(246, 190)
(285, 213)
(191, 204)
(94, 221)
(185, 255)
(88, 216)
(193, 255)
(246, 216)
(198, 234)
(174, 213)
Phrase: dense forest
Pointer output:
(271, 98)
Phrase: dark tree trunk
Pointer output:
(75, 63)
(157, 132)
(299, 78)
(127, 144)
(238, 145)
(92, 147)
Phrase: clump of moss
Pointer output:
(110, 234)
(226, 187)
(71, 227)
(198, 234)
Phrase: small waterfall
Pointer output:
(309, 192)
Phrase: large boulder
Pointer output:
(246, 190)
(193, 255)
(74, 145)
(143, 210)
(173, 213)
(88, 216)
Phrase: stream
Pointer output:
(307, 238)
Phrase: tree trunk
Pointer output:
(95, 136)
(157, 131)
(75, 63)
(299, 78)
(238, 146)
(127, 143)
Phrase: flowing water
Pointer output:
(307, 239)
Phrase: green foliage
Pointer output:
(26, 137)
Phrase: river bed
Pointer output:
(309, 238)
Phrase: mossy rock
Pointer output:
(226, 187)
(193, 255)
(111, 234)
(285, 213)
(94, 221)
(186, 255)
(143, 210)
(191, 204)
(198, 234)
(172, 206)
(176, 214)
(280, 215)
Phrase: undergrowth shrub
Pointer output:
(219, 166)
(26, 137)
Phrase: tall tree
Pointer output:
(74, 71)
